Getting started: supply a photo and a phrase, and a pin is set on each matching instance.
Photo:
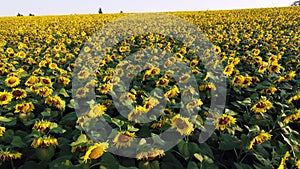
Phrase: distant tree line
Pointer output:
(22, 14)
(296, 3)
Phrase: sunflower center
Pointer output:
(224, 121)
(124, 138)
(17, 93)
(3, 97)
(260, 105)
(12, 81)
(181, 124)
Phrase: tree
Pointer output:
(19, 14)
(296, 3)
(31, 14)
(100, 11)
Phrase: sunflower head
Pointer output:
(123, 139)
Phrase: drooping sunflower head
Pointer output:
(150, 154)
(262, 106)
(95, 151)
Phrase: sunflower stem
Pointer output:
(12, 164)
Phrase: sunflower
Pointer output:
(19, 93)
(64, 80)
(182, 125)
(284, 159)
(127, 98)
(46, 81)
(25, 107)
(44, 142)
(269, 91)
(228, 70)
(208, 86)
(12, 81)
(81, 92)
(2, 130)
(262, 106)
(238, 80)
(294, 98)
(194, 62)
(154, 71)
(52, 66)
(172, 92)
(217, 49)
(298, 163)
(83, 74)
(263, 67)
(225, 121)
(256, 52)
(123, 139)
(184, 78)
(105, 88)
(151, 102)
(55, 101)
(7, 155)
(95, 151)
(292, 117)
(137, 113)
(274, 68)
(150, 154)
(289, 76)
(194, 103)
(41, 125)
(43, 91)
(247, 81)
(163, 82)
(97, 111)
(5, 97)
(32, 80)
(21, 54)
(260, 138)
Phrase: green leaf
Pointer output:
(242, 166)
(81, 140)
(183, 148)
(17, 142)
(192, 165)
(122, 167)
(31, 165)
(169, 161)
(205, 149)
(64, 92)
(149, 165)
(229, 142)
(109, 161)
(5, 120)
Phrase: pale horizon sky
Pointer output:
(61, 7)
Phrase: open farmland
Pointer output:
(259, 50)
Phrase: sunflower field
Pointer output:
(259, 50)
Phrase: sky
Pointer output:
(58, 7)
